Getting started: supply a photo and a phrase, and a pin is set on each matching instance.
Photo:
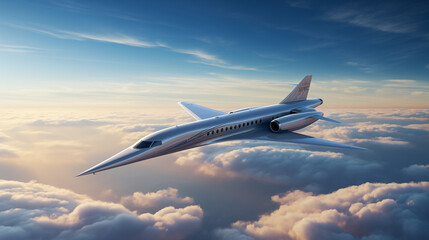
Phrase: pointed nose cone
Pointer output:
(126, 156)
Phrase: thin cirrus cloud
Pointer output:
(32, 210)
(363, 67)
(367, 211)
(16, 48)
(381, 18)
(122, 39)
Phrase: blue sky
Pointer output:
(114, 41)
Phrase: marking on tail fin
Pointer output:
(300, 92)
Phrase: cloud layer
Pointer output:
(37, 211)
(297, 167)
(367, 211)
(72, 140)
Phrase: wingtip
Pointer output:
(354, 147)
(342, 145)
(360, 148)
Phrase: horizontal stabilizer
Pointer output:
(199, 112)
(325, 118)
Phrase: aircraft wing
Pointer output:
(200, 112)
(292, 137)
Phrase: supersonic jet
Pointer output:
(267, 123)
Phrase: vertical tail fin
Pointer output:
(300, 92)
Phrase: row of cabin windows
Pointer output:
(235, 127)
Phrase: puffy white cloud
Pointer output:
(154, 201)
(367, 211)
(286, 165)
(37, 211)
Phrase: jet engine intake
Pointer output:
(294, 122)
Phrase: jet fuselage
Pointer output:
(206, 131)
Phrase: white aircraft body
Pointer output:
(267, 123)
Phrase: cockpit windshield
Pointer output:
(147, 144)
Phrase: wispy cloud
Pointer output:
(377, 18)
(298, 4)
(361, 66)
(427, 66)
(118, 39)
(122, 39)
(16, 48)
(209, 59)
(70, 5)
(406, 81)
(226, 66)
(315, 46)
(199, 54)
(215, 40)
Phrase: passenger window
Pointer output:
(221, 130)
(217, 131)
(212, 132)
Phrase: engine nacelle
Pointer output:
(294, 121)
